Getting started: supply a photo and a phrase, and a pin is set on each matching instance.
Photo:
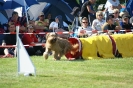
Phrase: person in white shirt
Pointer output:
(85, 29)
(98, 22)
(112, 4)
(56, 26)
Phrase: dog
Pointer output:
(58, 46)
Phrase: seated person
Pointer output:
(57, 26)
(31, 39)
(121, 14)
(49, 18)
(109, 25)
(1, 34)
(42, 24)
(126, 25)
(18, 21)
(10, 39)
(98, 22)
(85, 29)
(1, 39)
(116, 16)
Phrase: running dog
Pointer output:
(58, 46)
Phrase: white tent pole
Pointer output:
(26, 12)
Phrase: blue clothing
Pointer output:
(1, 35)
(126, 26)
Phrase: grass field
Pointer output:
(103, 73)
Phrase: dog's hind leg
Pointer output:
(55, 54)
(60, 55)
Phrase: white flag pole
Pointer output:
(26, 66)
(17, 37)
(24, 63)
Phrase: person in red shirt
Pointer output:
(31, 39)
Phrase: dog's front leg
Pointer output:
(45, 54)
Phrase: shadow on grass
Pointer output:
(45, 75)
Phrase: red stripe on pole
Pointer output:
(93, 31)
(13, 46)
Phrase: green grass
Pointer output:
(103, 73)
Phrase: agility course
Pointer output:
(106, 72)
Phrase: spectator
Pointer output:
(126, 25)
(1, 39)
(1, 35)
(124, 13)
(87, 10)
(10, 39)
(111, 5)
(57, 26)
(109, 24)
(98, 22)
(42, 24)
(49, 17)
(116, 16)
(85, 29)
(18, 21)
(30, 39)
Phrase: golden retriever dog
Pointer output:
(58, 46)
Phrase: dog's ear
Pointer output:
(47, 35)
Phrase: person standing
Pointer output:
(111, 5)
(87, 10)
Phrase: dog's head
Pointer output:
(51, 37)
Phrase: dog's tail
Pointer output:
(75, 48)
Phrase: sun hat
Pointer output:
(41, 14)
